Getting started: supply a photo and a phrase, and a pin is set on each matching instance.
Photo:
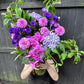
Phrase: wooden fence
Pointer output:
(72, 18)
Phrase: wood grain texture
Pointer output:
(72, 18)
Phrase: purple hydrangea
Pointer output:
(44, 9)
(36, 16)
(11, 30)
(28, 30)
(47, 14)
(33, 23)
(52, 40)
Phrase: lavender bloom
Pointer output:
(36, 16)
(33, 23)
(52, 40)
(11, 30)
(16, 30)
(47, 14)
(28, 30)
(44, 9)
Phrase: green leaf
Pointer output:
(21, 1)
(77, 59)
(81, 52)
(44, 1)
(70, 55)
(53, 10)
(59, 64)
(47, 55)
(55, 51)
(8, 27)
(25, 61)
(5, 22)
(13, 52)
(76, 47)
(27, 17)
(61, 46)
(17, 57)
(31, 18)
(63, 55)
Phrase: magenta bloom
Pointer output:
(22, 23)
(60, 30)
(38, 50)
(40, 38)
(44, 31)
(33, 64)
(43, 21)
(24, 43)
(56, 25)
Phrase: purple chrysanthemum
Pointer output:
(47, 14)
(28, 30)
(22, 23)
(52, 40)
(33, 23)
(36, 16)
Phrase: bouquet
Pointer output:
(37, 37)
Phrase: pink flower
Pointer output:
(60, 30)
(56, 25)
(40, 38)
(31, 53)
(22, 23)
(12, 35)
(43, 21)
(38, 50)
(33, 64)
(34, 41)
(44, 31)
(28, 56)
(24, 43)
(37, 59)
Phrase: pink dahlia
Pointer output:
(22, 23)
(60, 30)
(43, 21)
(44, 31)
(24, 43)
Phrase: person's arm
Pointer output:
(51, 69)
(26, 71)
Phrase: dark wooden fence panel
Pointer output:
(72, 18)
